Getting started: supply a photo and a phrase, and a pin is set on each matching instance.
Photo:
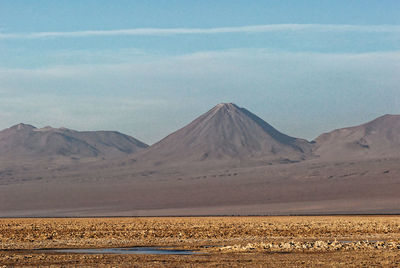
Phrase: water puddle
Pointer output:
(133, 250)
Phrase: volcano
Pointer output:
(228, 132)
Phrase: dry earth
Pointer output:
(220, 241)
(309, 187)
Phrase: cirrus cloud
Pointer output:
(201, 31)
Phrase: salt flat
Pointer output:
(218, 241)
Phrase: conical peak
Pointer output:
(226, 106)
(227, 132)
(223, 109)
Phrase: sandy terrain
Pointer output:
(128, 190)
(229, 241)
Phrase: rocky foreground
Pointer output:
(230, 241)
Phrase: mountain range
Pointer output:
(227, 161)
(226, 132)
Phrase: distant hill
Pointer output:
(379, 138)
(228, 132)
(228, 161)
(26, 141)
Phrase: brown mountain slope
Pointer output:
(379, 138)
(26, 141)
(227, 132)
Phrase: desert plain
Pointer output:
(312, 241)
(71, 198)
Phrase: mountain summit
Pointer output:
(228, 132)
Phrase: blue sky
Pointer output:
(147, 68)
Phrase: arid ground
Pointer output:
(218, 241)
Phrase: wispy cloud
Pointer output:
(220, 30)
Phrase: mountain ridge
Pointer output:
(27, 141)
(377, 138)
(226, 131)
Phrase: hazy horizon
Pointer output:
(148, 68)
